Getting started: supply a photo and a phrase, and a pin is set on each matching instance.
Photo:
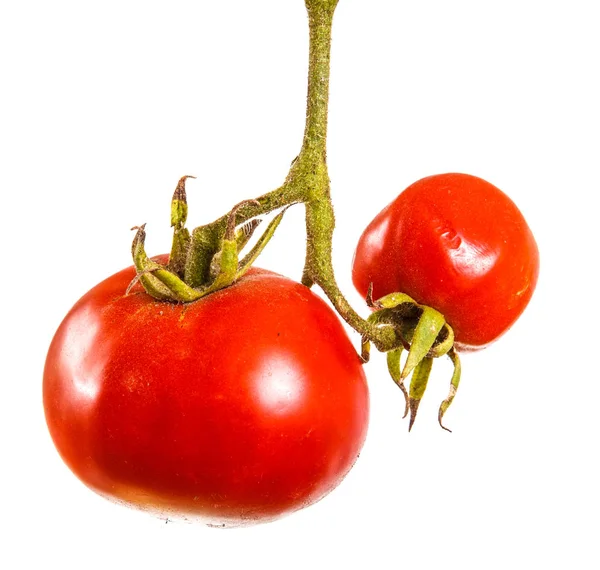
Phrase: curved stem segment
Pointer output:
(311, 168)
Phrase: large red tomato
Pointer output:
(238, 408)
(458, 244)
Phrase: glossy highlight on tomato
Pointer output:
(239, 408)
(458, 244)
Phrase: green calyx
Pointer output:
(168, 283)
(426, 335)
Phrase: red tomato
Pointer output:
(458, 244)
(239, 408)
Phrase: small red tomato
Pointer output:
(241, 407)
(458, 244)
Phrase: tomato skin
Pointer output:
(236, 409)
(458, 244)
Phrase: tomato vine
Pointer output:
(206, 259)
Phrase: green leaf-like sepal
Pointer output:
(264, 239)
(418, 384)
(156, 279)
(393, 362)
(454, 382)
(424, 336)
(181, 235)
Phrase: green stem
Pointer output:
(308, 183)
(311, 168)
(320, 20)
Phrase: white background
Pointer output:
(104, 105)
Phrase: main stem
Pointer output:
(307, 182)
(320, 220)
(320, 17)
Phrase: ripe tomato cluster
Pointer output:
(196, 386)
(251, 402)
